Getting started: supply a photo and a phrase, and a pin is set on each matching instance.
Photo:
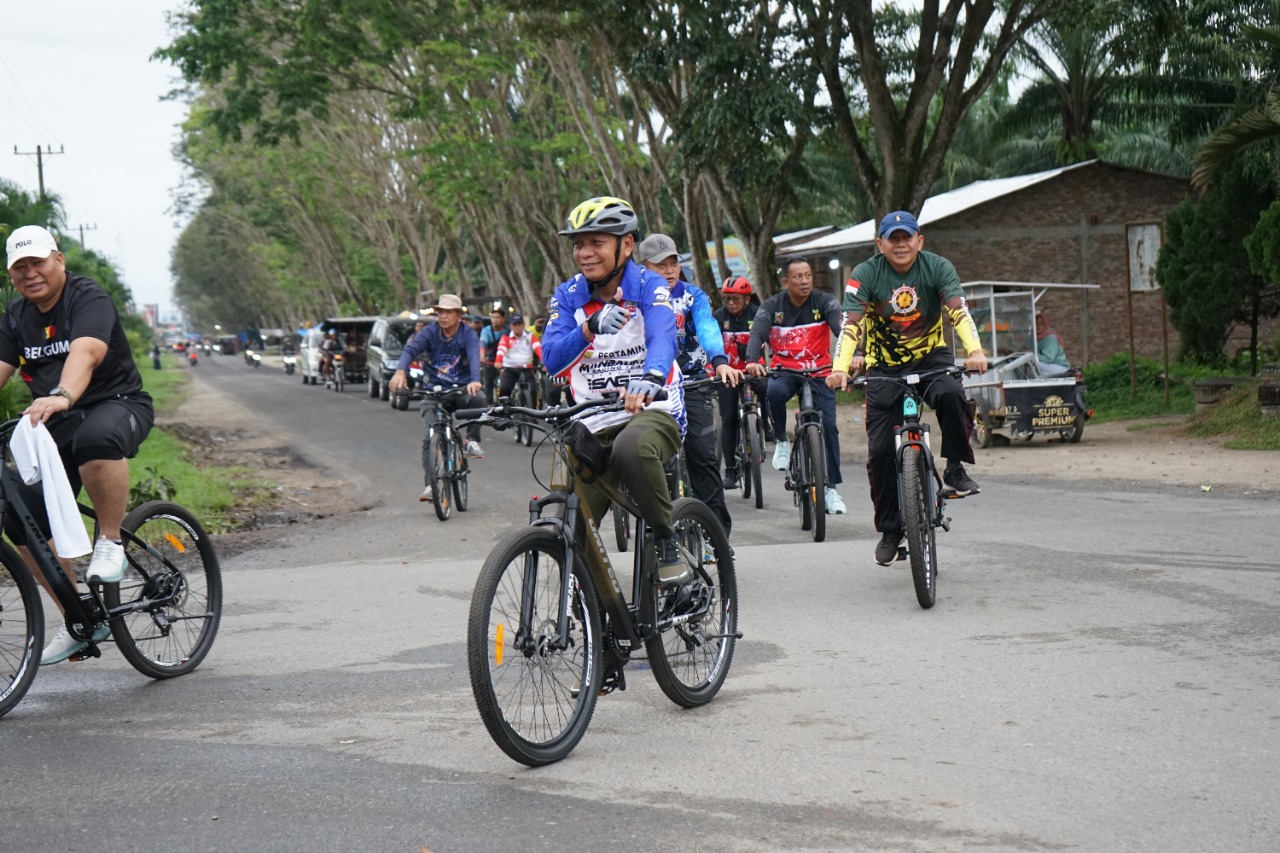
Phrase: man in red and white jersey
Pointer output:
(518, 350)
(797, 324)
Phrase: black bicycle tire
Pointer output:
(665, 671)
(525, 431)
(816, 453)
(497, 720)
(124, 628)
(757, 463)
(621, 526)
(437, 478)
(799, 477)
(746, 454)
(918, 527)
(460, 478)
(18, 666)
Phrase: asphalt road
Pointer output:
(1100, 673)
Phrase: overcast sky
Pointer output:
(77, 76)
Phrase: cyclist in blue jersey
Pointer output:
(611, 328)
(699, 349)
(449, 351)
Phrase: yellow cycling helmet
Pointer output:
(602, 215)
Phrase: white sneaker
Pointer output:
(63, 645)
(782, 454)
(107, 565)
(835, 506)
(427, 496)
(473, 450)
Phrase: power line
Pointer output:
(84, 228)
(40, 155)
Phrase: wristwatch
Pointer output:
(59, 391)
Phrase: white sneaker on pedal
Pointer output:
(473, 450)
(782, 454)
(835, 506)
(107, 565)
(427, 495)
(63, 645)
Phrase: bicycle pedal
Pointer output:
(952, 495)
(89, 651)
(902, 552)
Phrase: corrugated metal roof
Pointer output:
(936, 208)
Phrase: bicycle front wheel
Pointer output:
(524, 430)
(173, 587)
(621, 526)
(21, 628)
(815, 479)
(535, 693)
(921, 541)
(695, 624)
(756, 461)
(438, 474)
(460, 474)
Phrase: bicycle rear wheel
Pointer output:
(815, 478)
(173, 581)
(921, 536)
(695, 625)
(21, 628)
(437, 474)
(535, 698)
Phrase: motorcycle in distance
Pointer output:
(290, 363)
(192, 358)
(252, 358)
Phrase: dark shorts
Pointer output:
(111, 429)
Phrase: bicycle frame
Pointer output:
(577, 529)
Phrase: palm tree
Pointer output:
(1257, 125)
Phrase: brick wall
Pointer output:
(1071, 228)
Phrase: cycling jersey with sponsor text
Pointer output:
(735, 330)
(694, 324)
(799, 336)
(608, 363)
(517, 352)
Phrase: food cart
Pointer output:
(1017, 392)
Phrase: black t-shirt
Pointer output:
(37, 343)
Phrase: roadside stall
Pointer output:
(1023, 391)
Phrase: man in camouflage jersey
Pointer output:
(897, 298)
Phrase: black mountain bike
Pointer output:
(550, 630)
(750, 443)
(444, 459)
(807, 472)
(163, 615)
(921, 496)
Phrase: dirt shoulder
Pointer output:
(1146, 452)
(224, 433)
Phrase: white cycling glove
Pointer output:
(650, 385)
(609, 320)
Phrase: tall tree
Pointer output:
(900, 81)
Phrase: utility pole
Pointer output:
(40, 155)
(84, 228)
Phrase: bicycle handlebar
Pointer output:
(905, 378)
(498, 411)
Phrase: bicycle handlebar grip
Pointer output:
(470, 414)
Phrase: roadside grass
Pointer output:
(1237, 415)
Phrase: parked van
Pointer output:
(386, 342)
(309, 359)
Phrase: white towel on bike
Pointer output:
(36, 455)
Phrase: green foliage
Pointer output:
(1263, 244)
(1203, 268)
(151, 485)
